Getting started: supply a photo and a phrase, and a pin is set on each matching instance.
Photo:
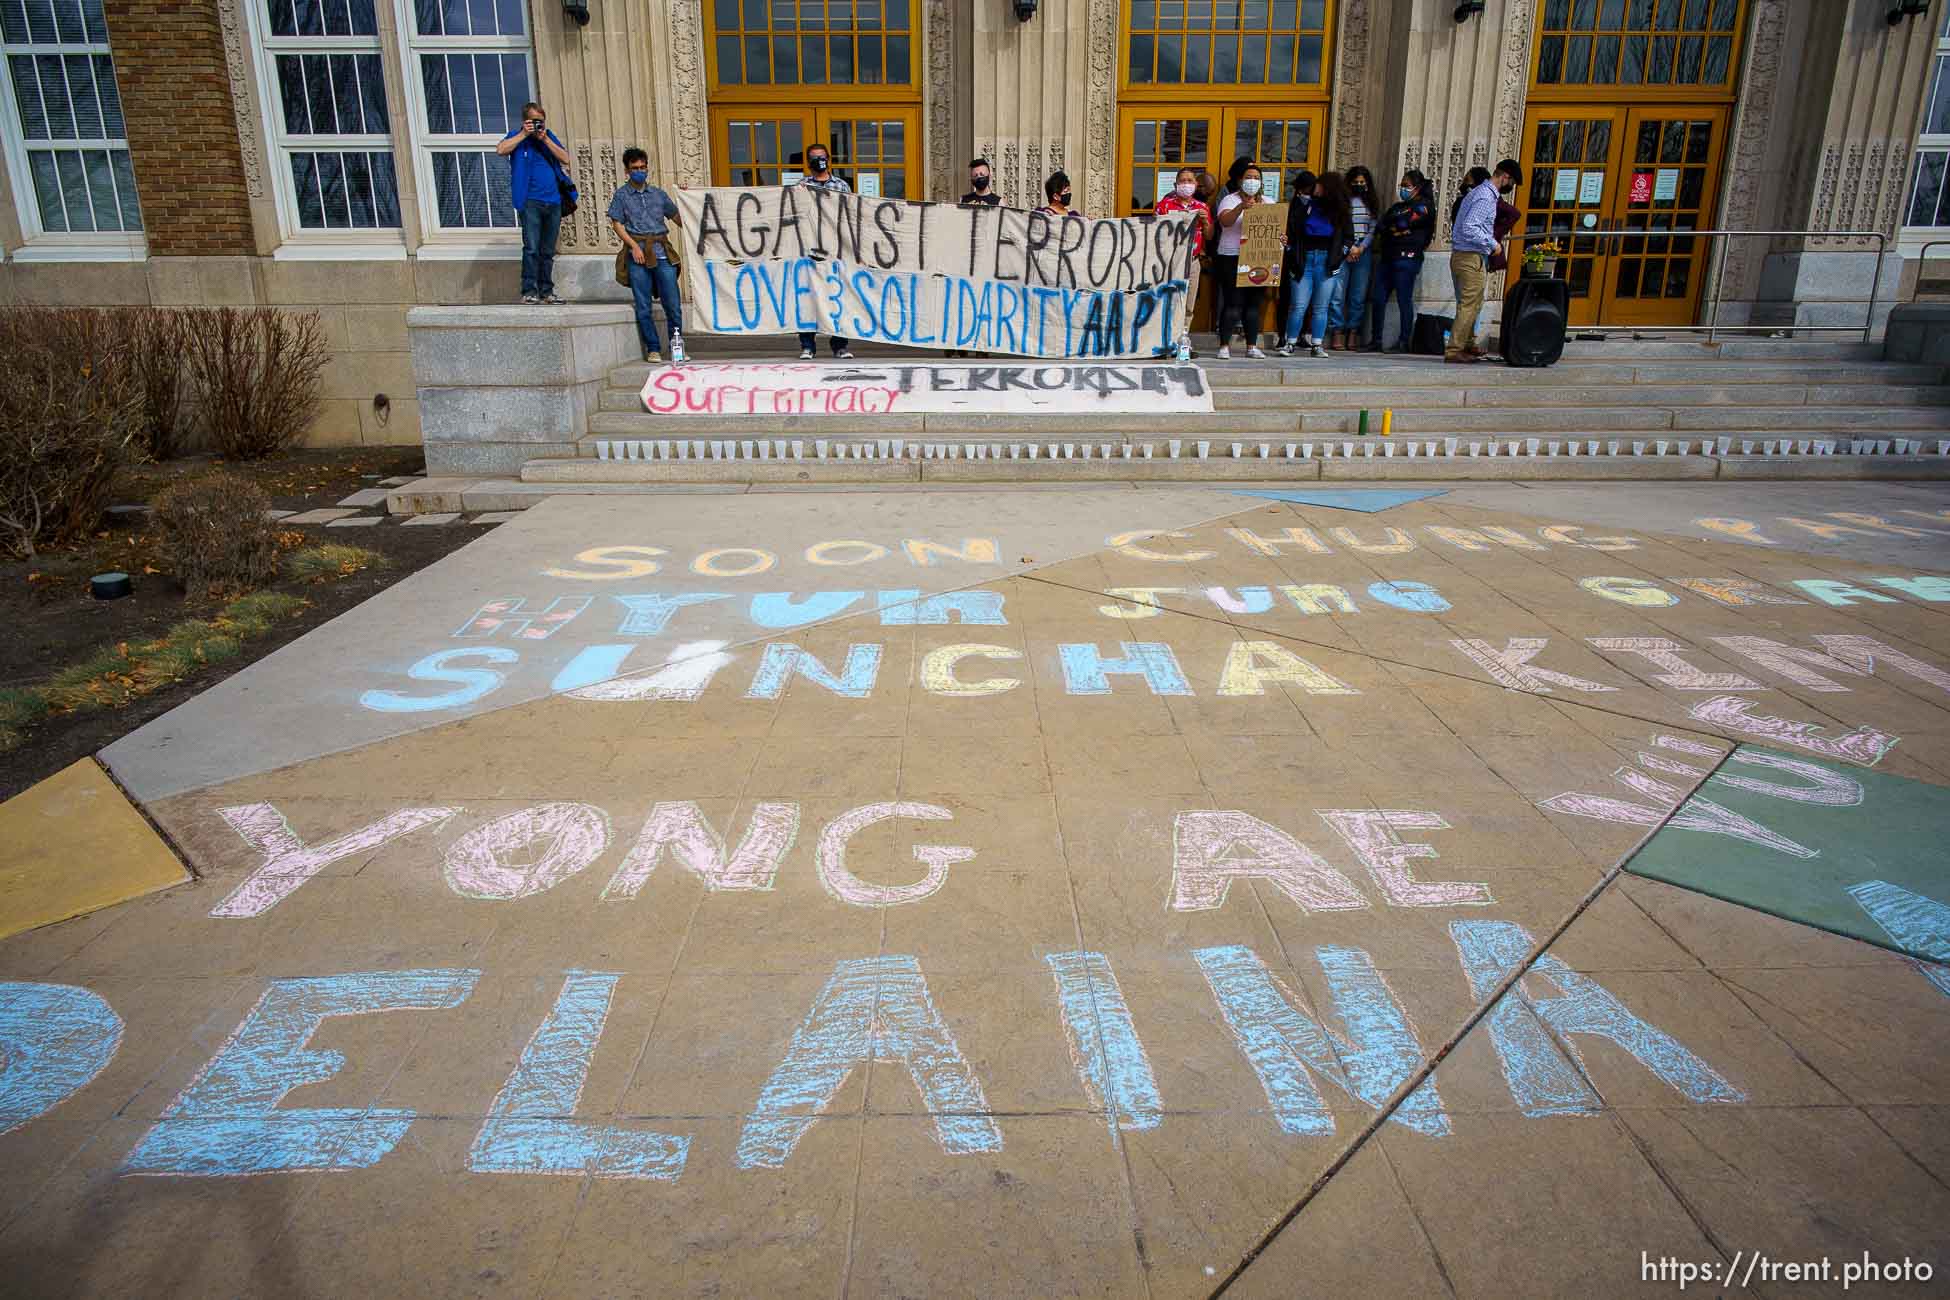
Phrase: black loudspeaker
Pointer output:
(1426, 341)
(1533, 321)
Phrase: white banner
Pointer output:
(875, 389)
(929, 275)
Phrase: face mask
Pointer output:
(1360, 187)
(1406, 193)
(1064, 198)
(1249, 187)
(817, 162)
(980, 183)
(1505, 188)
(639, 177)
(1185, 189)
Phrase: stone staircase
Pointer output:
(1749, 407)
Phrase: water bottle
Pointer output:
(1445, 341)
(1184, 350)
(677, 357)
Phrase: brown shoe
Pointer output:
(1462, 359)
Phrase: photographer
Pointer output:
(539, 181)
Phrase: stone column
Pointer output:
(1045, 98)
(1459, 104)
(1853, 101)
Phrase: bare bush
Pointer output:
(159, 336)
(217, 532)
(257, 371)
(70, 406)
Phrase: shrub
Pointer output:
(215, 531)
(257, 370)
(254, 614)
(70, 406)
(158, 337)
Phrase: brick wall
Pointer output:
(189, 172)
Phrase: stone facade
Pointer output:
(1821, 137)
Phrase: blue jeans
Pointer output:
(1350, 303)
(1396, 277)
(540, 224)
(1314, 290)
(660, 278)
(807, 342)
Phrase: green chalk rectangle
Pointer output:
(1823, 829)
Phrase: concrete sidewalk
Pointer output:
(1043, 893)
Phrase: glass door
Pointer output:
(1157, 143)
(1667, 180)
(1570, 159)
(871, 146)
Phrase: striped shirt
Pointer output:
(1361, 219)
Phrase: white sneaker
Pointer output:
(805, 354)
(1255, 353)
(1285, 349)
(1320, 352)
(1225, 352)
(844, 354)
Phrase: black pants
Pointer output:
(1238, 308)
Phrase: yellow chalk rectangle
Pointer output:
(73, 844)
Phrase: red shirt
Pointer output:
(1171, 203)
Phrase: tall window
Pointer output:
(813, 42)
(68, 117)
(470, 63)
(331, 129)
(1227, 42)
(1929, 197)
(1636, 42)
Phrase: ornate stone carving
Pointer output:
(596, 206)
(1748, 150)
(1351, 85)
(940, 93)
(1821, 217)
(1012, 169)
(1100, 120)
(1895, 180)
(1513, 77)
(242, 105)
(1411, 154)
(692, 164)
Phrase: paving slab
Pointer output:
(73, 843)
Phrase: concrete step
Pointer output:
(1818, 419)
(1667, 395)
(582, 475)
(974, 426)
(1359, 371)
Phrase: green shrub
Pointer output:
(258, 372)
(216, 532)
(70, 407)
(254, 614)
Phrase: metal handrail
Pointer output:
(1720, 267)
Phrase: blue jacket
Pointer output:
(534, 173)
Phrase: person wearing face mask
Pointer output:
(1238, 308)
(820, 176)
(639, 213)
(1405, 232)
(1317, 242)
(981, 186)
(1472, 242)
(1184, 198)
(1057, 193)
(981, 194)
(1350, 303)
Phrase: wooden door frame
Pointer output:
(1224, 119)
(1618, 115)
(1639, 92)
(817, 123)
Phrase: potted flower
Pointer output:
(1540, 260)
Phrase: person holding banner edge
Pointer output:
(640, 214)
(820, 176)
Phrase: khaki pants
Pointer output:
(1470, 271)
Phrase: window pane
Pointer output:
(460, 83)
(345, 93)
(125, 190)
(1141, 60)
(67, 22)
(74, 189)
(318, 93)
(27, 95)
(54, 98)
(897, 72)
(47, 190)
(473, 190)
(839, 62)
(454, 16)
(440, 110)
(1929, 186)
(331, 181)
(372, 92)
(40, 22)
(729, 66)
(511, 18)
(111, 99)
(481, 17)
(446, 188)
(426, 17)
